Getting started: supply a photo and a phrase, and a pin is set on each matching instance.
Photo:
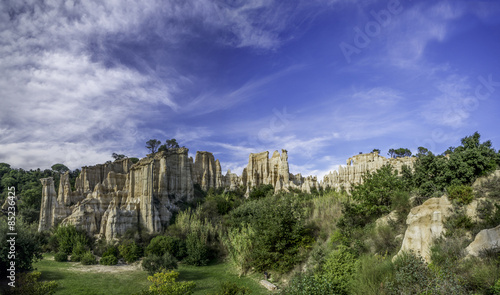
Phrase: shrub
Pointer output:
(111, 251)
(411, 277)
(462, 194)
(228, 288)
(197, 250)
(153, 263)
(457, 221)
(278, 223)
(28, 246)
(261, 191)
(165, 283)
(68, 237)
(88, 258)
(78, 250)
(480, 274)
(130, 251)
(447, 251)
(238, 241)
(371, 273)
(109, 260)
(167, 244)
(309, 284)
(339, 268)
(495, 290)
(27, 283)
(61, 257)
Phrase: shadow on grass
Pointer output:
(191, 275)
(48, 275)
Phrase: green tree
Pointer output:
(152, 145)
(118, 156)
(373, 197)
(402, 152)
(169, 144)
(27, 244)
(376, 151)
(461, 166)
(59, 168)
(422, 151)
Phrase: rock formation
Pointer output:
(487, 239)
(49, 205)
(111, 198)
(358, 165)
(424, 224)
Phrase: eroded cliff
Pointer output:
(111, 198)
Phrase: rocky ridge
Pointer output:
(111, 198)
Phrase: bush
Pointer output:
(462, 194)
(165, 283)
(261, 191)
(167, 244)
(111, 251)
(447, 251)
(376, 195)
(278, 232)
(309, 284)
(61, 257)
(27, 283)
(130, 251)
(228, 288)
(78, 250)
(197, 250)
(495, 290)
(153, 263)
(371, 273)
(412, 275)
(339, 269)
(108, 260)
(28, 245)
(68, 237)
(456, 222)
(88, 258)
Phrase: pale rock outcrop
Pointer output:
(49, 204)
(487, 239)
(358, 165)
(424, 224)
(113, 197)
(207, 171)
(387, 219)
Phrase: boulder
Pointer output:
(487, 239)
(424, 224)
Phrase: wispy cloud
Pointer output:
(63, 85)
(452, 105)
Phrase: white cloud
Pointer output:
(453, 105)
(63, 92)
(416, 27)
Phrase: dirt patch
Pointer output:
(98, 268)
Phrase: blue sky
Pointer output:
(324, 79)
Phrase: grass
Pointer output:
(76, 279)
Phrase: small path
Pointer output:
(105, 268)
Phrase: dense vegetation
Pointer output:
(325, 242)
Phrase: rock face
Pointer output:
(487, 239)
(358, 165)
(49, 205)
(207, 171)
(425, 223)
(111, 198)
